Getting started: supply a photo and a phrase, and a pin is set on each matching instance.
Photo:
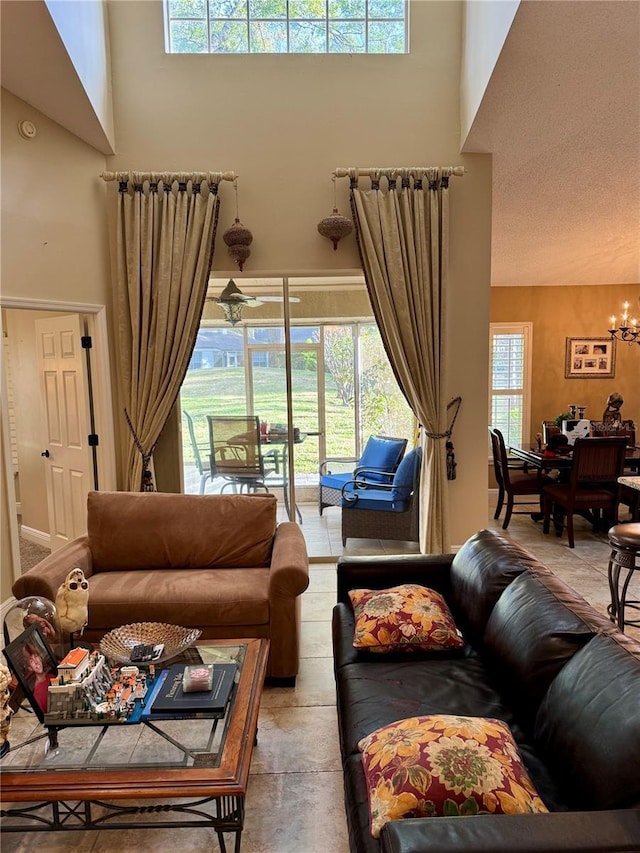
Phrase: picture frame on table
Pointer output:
(34, 665)
(590, 358)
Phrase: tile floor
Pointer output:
(295, 799)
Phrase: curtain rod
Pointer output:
(458, 171)
(173, 176)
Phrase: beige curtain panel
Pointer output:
(402, 229)
(166, 227)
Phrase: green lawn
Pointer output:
(212, 391)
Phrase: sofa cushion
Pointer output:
(445, 765)
(408, 617)
(588, 725)
(213, 597)
(155, 530)
(530, 636)
(480, 572)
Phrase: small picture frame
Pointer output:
(590, 358)
(34, 665)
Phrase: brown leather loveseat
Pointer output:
(216, 562)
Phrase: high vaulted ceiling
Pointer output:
(561, 117)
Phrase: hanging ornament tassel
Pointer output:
(336, 226)
(238, 237)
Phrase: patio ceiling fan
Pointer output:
(232, 300)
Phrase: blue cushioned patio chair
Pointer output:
(385, 511)
(380, 458)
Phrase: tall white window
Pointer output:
(510, 381)
(286, 26)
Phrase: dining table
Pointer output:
(535, 458)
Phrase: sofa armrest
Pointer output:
(45, 578)
(288, 579)
(289, 573)
(382, 571)
(558, 832)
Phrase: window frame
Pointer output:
(526, 331)
(287, 20)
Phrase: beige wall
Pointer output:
(561, 312)
(486, 26)
(83, 28)
(283, 123)
(54, 236)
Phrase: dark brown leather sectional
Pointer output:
(537, 656)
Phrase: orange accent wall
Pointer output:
(561, 312)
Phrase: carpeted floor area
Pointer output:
(31, 554)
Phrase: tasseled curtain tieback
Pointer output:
(437, 436)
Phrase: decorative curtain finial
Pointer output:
(238, 237)
(336, 226)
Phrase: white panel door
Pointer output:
(65, 412)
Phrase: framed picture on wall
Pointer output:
(590, 358)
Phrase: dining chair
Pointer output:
(627, 428)
(511, 483)
(236, 453)
(379, 460)
(549, 428)
(203, 467)
(592, 489)
(514, 465)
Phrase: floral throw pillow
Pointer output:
(440, 766)
(403, 618)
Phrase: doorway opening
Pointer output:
(24, 416)
(306, 351)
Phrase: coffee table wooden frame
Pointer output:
(63, 800)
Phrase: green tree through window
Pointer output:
(278, 26)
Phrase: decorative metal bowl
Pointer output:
(118, 644)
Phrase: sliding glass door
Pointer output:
(322, 365)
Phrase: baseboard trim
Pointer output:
(38, 537)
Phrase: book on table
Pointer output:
(168, 700)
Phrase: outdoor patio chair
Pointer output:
(236, 453)
(380, 458)
(385, 510)
(204, 469)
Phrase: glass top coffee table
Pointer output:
(203, 763)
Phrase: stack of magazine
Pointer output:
(190, 692)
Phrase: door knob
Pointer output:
(45, 453)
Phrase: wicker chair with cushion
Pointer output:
(385, 511)
(380, 458)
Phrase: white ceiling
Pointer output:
(561, 117)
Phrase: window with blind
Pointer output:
(510, 381)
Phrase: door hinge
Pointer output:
(93, 439)
(86, 342)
